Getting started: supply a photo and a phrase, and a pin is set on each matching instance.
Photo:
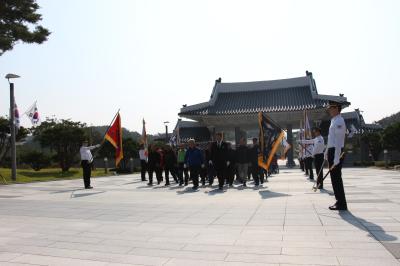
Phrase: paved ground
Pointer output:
(124, 222)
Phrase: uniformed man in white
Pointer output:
(86, 162)
(308, 159)
(335, 145)
(318, 154)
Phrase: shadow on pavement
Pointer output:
(187, 190)
(360, 223)
(266, 194)
(215, 191)
(85, 194)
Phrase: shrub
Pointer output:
(36, 159)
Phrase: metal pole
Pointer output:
(12, 127)
(166, 134)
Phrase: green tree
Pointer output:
(36, 159)
(391, 137)
(5, 141)
(64, 137)
(19, 22)
(374, 141)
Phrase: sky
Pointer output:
(148, 58)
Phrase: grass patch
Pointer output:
(49, 174)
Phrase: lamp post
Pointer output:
(12, 127)
(166, 131)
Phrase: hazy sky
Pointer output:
(150, 57)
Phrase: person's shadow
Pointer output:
(378, 233)
(266, 194)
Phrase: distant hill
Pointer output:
(125, 133)
(389, 120)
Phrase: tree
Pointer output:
(374, 140)
(36, 159)
(64, 137)
(5, 141)
(391, 137)
(17, 19)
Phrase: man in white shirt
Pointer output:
(143, 155)
(317, 154)
(86, 162)
(335, 145)
(308, 159)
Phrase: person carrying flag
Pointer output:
(335, 145)
(86, 162)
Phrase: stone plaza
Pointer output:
(124, 222)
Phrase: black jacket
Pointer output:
(253, 154)
(219, 155)
(242, 154)
(154, 160)
(170, 159)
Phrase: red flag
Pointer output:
(114, 136)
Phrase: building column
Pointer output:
(290, 161)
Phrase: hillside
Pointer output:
(386, 121)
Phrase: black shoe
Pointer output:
(195, 188)
(244, 184)
(338, 208)
(166, 185)
(89, 187)
(149, 184)
(180, 184)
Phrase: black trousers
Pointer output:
(143, 169)
(230, 175)
(336, 178)
(151, 171)
(169, 169)
(182, 172)
(221, 175)
(87, 172)
(319, 165)
(255, 173)
(309, 168)
(301, 161)
(194, 175)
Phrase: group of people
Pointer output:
(220, 160)
(189, 162)
(314, 151)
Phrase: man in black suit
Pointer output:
(219, 159)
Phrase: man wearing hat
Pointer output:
(86, 162)
(335, 145)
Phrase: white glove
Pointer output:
(202, 165)
(98, 145)
(336, 161)
(184, 166)
(210, 162)
(228, 163)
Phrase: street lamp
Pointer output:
(166, 131)
(12, 127)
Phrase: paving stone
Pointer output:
(124, 222)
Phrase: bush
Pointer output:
(37, 160)
(364, 163)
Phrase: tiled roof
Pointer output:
(266, 96)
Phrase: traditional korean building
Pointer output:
(233, 107)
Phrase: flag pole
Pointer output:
(105, 133)
(102, 142)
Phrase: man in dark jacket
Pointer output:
(194, 161)
(253, 159)
(153, 163)
(242, 161)
(219, 159)
(169, 164)
(230, 168)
